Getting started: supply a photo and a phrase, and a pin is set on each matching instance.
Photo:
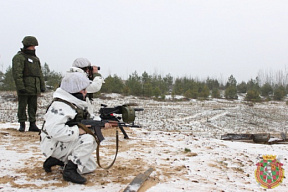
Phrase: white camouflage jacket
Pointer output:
(95, 85)
(55, 118)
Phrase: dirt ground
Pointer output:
(179, 159)
(122, 172)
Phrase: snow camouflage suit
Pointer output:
(28, 76)
(64, 142)
(96, 83)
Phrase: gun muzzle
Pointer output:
(138, 109)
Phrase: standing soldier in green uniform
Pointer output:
(29, 82)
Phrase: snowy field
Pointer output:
(179, 140)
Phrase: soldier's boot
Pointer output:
(50, 162)
(70, 174)
(33, 127)
(22, 127)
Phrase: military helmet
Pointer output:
(30, 41)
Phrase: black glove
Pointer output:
(22, 91)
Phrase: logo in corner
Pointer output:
(269, 173)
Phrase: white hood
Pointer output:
(60, 93)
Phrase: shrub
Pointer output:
(231, 92)
(252, 95)
(279, 93)
(216, 93)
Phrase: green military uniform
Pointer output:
(29, 80)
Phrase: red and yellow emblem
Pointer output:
(269, 173)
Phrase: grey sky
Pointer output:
(203, 38)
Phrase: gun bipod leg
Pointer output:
(124, 132)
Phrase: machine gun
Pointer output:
(107, 116)
(127, 115)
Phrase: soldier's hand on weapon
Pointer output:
(81, 131)
(82, 128)
(114, 123)
(111, 124)
(108, 126)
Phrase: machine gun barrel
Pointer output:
(138, 109)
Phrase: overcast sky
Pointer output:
(193, 38)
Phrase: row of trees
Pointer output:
(145, 85)
(157, 86)
(254, 90)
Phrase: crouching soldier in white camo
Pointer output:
(67, 145)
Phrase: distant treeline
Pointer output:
(156, 86)
(263, 87)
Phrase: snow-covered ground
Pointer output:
(179, 140)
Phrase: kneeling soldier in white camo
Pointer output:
(67, 145)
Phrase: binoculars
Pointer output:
(91, 68)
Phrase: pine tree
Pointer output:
(8, 81)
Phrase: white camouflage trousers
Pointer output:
(79, 152)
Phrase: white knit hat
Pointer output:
(81, 62)
(74, 82)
